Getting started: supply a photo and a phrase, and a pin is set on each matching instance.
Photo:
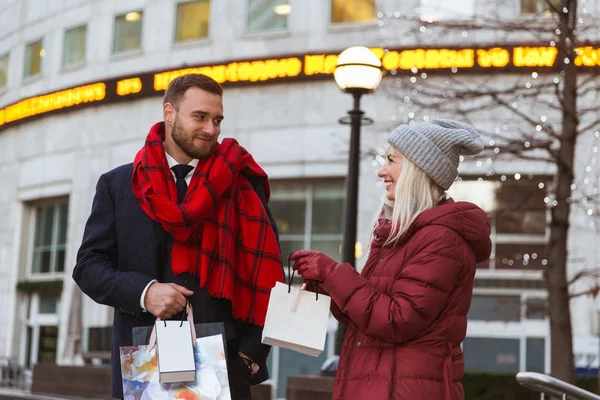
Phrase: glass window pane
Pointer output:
(63, 211)
(44, 266)
(288, 205)
(75, 44)
(48, 216)
(535, 356)
(327, 209)
(48, 344)
(287, 248)
(39, 226)
(51, 224)
(192, 20)
(536, 308)
(267, 15)
(522, 221)
(48, 304)
(36, 262)
(100, 338)
(486, 354)
(28, 343)
(293, 363)
(3, 71)
(59, 264)
(34, 53)
(519, 256)
(352, 11)
(43, 226)
(520, 206)
(333, 248)
(482, 193)
(495, 308)
(128, 32)
(537, 6)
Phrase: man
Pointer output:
(187, 220)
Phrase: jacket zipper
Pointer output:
(367, 276)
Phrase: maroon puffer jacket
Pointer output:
(407, 311)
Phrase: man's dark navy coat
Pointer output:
(123, 250)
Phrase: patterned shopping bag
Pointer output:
(139, 369)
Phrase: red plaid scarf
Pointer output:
(221, 230)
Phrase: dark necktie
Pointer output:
(181, 171)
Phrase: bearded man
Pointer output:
(188, 220)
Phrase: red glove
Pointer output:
(313, 265)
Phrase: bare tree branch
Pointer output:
(593, 273)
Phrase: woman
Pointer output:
(407, 311)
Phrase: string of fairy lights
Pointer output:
(586, 185)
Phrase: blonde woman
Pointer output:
(407, 311)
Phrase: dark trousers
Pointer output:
(239, 378)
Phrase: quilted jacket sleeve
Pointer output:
(418, 294)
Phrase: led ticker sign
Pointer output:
(296, 68)
(129, 86)
(51, 102)
(246, 71)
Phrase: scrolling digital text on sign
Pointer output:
(294, 67)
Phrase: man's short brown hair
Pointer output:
(181, 84)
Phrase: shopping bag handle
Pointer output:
(189, 314)
(315, 284)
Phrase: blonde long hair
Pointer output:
(415, 192)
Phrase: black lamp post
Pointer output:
(358, 72)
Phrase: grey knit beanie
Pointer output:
(435, 147)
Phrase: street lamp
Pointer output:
(358, 72)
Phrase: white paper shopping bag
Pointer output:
(175, 352)
(175, 348)
(297, 320)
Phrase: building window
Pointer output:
(50, 238)
(267, 15)
(507, 308)
(535, 355)
(352, 11)
(435, 10)
(495, 308)
(192, 20)
(3, 71)
(99, 339)
(491, 354)
(539, 6)
(75, 44)
(128, 32)
(39, 337)
(503, 354)
(34, 54)
(309, 216)
(292, 363)
(517, 212)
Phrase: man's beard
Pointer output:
(185, 142)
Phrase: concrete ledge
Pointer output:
(71, 381)
(309, 387)
(13, 394)
(85, 382)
